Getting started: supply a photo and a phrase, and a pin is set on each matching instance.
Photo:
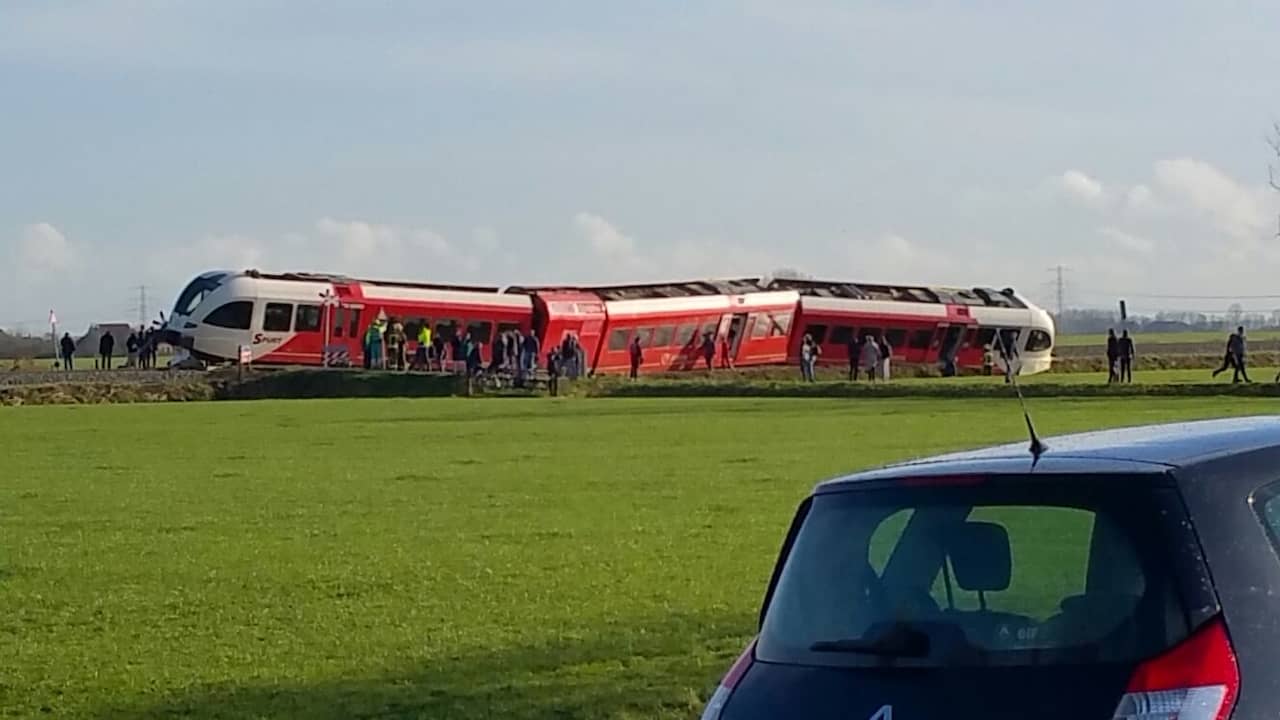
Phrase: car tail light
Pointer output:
(720, 698)
(1196, 680)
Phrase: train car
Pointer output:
(922, 324)
(671, 321)
(308, 319)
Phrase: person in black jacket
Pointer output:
(1113, 355)
(68, 350)
(1126, 357)
(106, 349)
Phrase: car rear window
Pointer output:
(987, 573)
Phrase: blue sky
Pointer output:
(513, 142)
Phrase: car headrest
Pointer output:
(981, 557)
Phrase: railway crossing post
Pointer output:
(327, 300)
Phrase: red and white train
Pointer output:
(304, 318)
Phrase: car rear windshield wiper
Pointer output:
(900, 641)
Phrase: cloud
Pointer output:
(1246, 214)
(1128, 241)
(1081, 188)
(602, 237)
(45, 249)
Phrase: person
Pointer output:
(131, 345)
(1126, 357)
(870, 357)
(637, 357)
(853, 348)
(726, 351)
(421, 356)
(1113, 355)
(395, 345)
(106, 349)
(531, 348)
(708, 350)
(1234, 356)
(68, 349)
(553, 372)
(373, 347)
(988, 360)
(886, 354)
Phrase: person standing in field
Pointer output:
(708, 350)
(1126, 357)
(106, 349)
(131, 345)
(68, 350)
(1113, 355)
(726, 351)
(808, 356)
(871, 357)
(637, 357)
(886, 355)
(853, 348)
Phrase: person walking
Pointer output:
(871, 357)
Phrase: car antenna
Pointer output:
(1037, 448)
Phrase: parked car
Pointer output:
(1127, 573)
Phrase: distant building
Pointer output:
(87, 346)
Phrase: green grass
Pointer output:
(1189, 338)
(426, 558)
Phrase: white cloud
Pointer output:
(1128, 241)
(1081, 188)
(1246, 214)
(45, 249)
(602, 237)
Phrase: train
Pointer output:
(301, 318)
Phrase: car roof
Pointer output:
(1145, 448)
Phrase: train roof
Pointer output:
(347, 280)
(651, 291)
(981, 297)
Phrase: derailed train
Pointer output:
(314, 319)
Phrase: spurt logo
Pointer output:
(262, 339)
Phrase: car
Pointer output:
(1130, 573)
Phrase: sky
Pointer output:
(512, 142)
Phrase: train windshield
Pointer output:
(195, 292)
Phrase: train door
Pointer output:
(346, 337)
(947, 341)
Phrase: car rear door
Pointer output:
(991, 597)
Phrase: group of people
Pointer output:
(387, 347)
(1120, 354)
(142, 347)
(870, 354)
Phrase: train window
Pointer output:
(446, 329)
(307, 318)
(760, 324)
(817, 332)
(874, 332)
(234, 315)
(278, 317)
(920, 339)
(1038, 341)
(841, 335)
(353, 323)
(507, 327)
(618, 339)
(481, 332)
(986, 336)
(646, 336)
(684, 335)
(895, 337)
(662, 336)
(781, 324)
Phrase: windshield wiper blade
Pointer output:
(900, 641)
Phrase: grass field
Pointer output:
(430, 558)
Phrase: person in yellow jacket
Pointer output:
(420, 360)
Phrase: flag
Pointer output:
(53, 319)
